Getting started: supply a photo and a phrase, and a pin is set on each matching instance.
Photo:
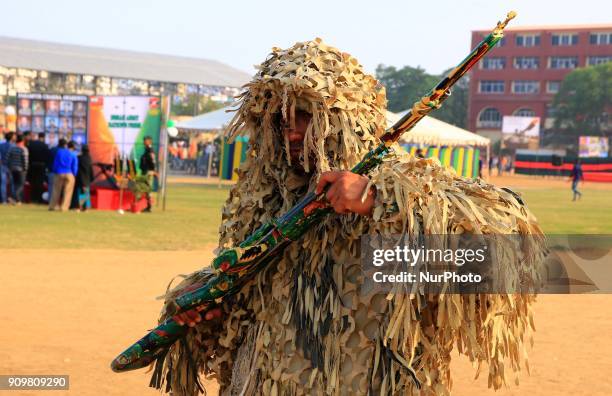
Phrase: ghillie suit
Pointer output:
(305, 326)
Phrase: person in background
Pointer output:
(501, 165)
(577, 177)
(200, 159)
(65, 167)
(26, 139)
(80, 196)
(147, 168)
(509, 164)
(39, 154)
(494, 163)
(50, 159)
(210, 153)
(18, 165)
(419, 153)
(6, 180)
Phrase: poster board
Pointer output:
(57, 116)
(119, 124)
(593, 146)
(521, 132)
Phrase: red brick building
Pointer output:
(521, 76)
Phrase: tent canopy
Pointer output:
(433, 132)
(211, 121)
(77, 59)
(429, 130)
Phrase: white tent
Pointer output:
(428, 131)
(432, 132)
(211, 121)
(217, 120)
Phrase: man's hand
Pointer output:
(192, 317)
(345, 191)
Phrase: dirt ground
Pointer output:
(72, 312)
(506, 180)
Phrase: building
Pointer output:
(37, 66)
(522, 75)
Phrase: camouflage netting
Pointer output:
(305, 326)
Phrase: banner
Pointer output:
(593, 146)
(520, 132)
(57, 116)
(521, 126)
(119, 124)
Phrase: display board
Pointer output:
(594, 169)
(593, 146)
(520, 132)
(521, 126)
(118, 125)
(58, 116)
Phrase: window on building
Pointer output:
(553, 86)
(526, 62)
(551, 111)
(500, 43)
(527, 40)
(524, 112)
(564, 39)
(491, 86)
(490, 118)
(563, 62)
(600, 38)
(56, 82)
(525, 87)
(598, 60)
(493, 63)
(88, 83)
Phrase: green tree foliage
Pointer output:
(583, 98)
(194, 105)
(406, 85)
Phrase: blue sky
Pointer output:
(434, 34)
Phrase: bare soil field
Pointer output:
(72, 311)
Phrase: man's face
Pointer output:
(296, 136)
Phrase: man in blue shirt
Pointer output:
(65, 167)
(577, 177)
(5, 176)
(50, 160)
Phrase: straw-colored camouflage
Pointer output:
(308, 327)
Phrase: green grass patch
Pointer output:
(558, 214)
(193, 214)
(191, 221)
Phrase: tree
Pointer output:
(581, 105)
(406, 85)
(454, 109)
(194, 105)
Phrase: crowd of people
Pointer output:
(503, 164)
(66, 174)
(193, 158)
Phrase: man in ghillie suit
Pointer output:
(304, 326)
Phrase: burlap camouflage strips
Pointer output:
(306, 326)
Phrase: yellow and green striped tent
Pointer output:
(464, 160)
